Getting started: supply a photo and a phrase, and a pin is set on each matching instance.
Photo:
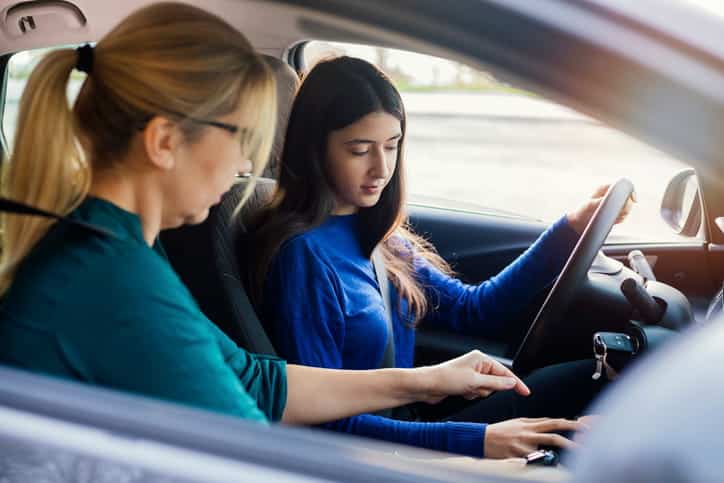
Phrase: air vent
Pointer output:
(42, 16)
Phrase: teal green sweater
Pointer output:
(111, 311)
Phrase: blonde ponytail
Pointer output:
(169, 59)
(46, 168)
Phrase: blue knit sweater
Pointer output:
(324, 309)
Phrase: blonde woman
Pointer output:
(174, 105)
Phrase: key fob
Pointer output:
(542, 457)
(612, 349)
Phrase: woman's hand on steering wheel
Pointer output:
(579, 218)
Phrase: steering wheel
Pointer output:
(573, 274)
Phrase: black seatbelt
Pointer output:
(388, 360)
(17, 208)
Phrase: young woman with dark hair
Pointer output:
(340, 200)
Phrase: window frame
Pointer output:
(4, 73)
(294, 55)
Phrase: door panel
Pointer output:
(477, 246)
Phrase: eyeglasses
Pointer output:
(231, 128)
(222, 125)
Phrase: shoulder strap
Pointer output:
(17, 208)
(388, 360)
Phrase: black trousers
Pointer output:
(558, 391)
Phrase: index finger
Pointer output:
(553, 439)
(550, 425)
(487, 383)
(498, 369)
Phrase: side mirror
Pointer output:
(681, 205)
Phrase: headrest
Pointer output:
(287, 84)
(258, 198)
(206, 257)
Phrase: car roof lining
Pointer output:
(293, 23)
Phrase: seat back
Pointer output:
(205, 255)
(287, 83)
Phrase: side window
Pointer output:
(474, 142)
(19, 68)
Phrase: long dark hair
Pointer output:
(335, 94)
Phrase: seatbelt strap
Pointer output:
(388, 360)
(408, 412)
(17, 208)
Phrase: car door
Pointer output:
(477, 246)
(59, 430)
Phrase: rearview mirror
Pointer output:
(681, 205)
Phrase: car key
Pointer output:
(618, 344)
(599, 352)
(599, 368)
(544, 457)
